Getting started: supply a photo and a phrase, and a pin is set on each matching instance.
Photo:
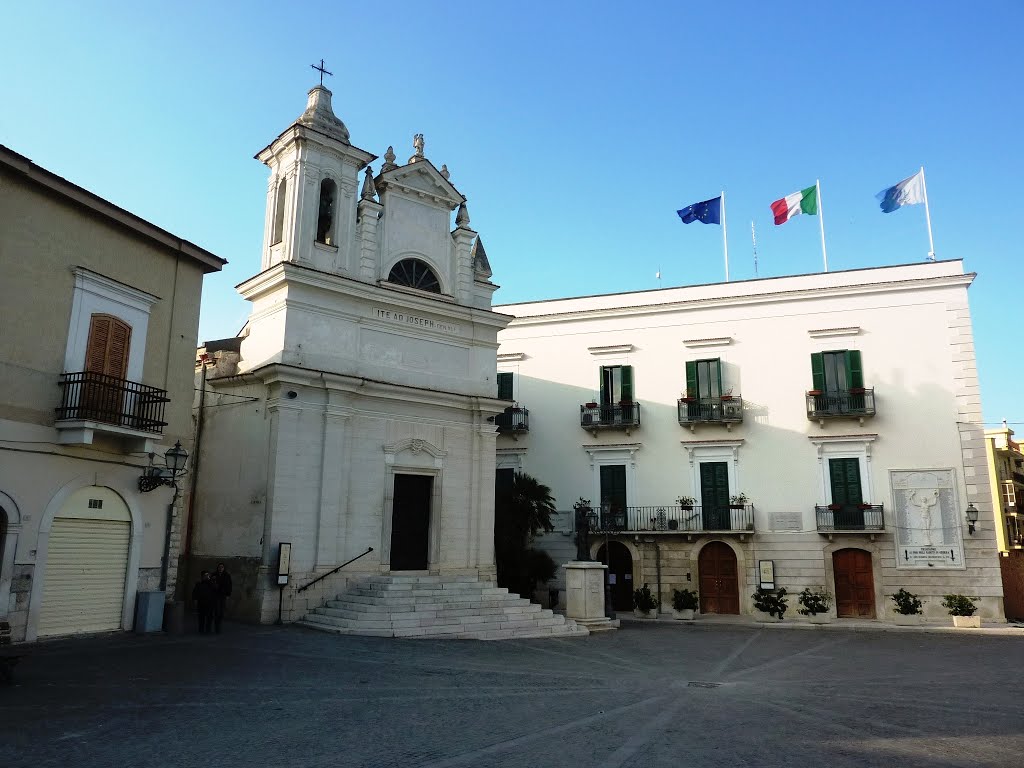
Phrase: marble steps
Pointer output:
(427, 606)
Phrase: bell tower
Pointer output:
(311, 196)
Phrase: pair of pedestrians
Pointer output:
(210, 595)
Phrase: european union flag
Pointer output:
(706, 212)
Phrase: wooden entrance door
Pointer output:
(410, 522)
(719, 579)
(620, 574)
(855, 584)
(714, 496)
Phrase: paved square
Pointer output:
(648, 695)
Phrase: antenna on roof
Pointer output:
(753, 237)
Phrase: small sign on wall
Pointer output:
(284, 557)
(766, 574)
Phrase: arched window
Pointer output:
(325, 221)
(282, 193)
(415, 274)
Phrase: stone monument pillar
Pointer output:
(584, 595)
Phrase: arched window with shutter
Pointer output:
(325, 218)
(278, 232)
(415, 274)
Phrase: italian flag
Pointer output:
(804, 201)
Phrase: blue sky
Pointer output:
(575, 130)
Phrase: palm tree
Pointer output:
(522, 509)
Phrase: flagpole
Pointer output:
(821, 221)
(725, 239)
(928, 217)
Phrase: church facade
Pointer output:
(818, 430)
(353, 416)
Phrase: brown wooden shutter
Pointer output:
(109, 342)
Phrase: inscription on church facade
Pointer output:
(404, 318)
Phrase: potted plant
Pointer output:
(591, 404)
(771, 605)
(835, 507)
(645, 604)
(814, 392)
(864, 505)
(727, 395)
(908, 609)
(856, 390)
(686, 502)
(962, 609)
(684, 603)
(816, 604)
(739, 500)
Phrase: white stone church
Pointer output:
(353, 417)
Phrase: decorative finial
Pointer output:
(417, 145)
(389, 160)
(322, 71)
(444, 171)
(369, 188)
(462, 217)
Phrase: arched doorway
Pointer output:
(719, 580)
(86, 564)
(620, 574)
(855, 584)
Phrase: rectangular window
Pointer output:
(704, 379)
(714, 495)
(616, 384)
(836, 371)
(503, 479)
(505, 386)
(613, 496)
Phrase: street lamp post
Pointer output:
(152, 478)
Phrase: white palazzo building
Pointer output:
(814, 430)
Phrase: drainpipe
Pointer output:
(196, 453)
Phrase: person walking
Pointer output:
(204, 594)
(222, 581)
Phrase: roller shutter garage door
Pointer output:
(83, 587)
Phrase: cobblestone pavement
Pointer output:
(647, 695)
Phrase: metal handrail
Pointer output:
(329, 573)
(850, 517)
(90, 396)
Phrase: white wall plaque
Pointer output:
(926, 512)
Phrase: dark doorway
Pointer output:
(620, 574)
(410, 522)
(719, 583)
(855, 584)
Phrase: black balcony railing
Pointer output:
(710, 410)
(608, 416)
(847, 402)
(514, 420)
(88, 396)
(674, 518)
(850, 517)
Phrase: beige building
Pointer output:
(101, 311)
(810, 430)
(1006, 480)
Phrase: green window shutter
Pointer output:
(717, 362)
(627, 382)
(854, 372)
(691, 378)
(605, 394)
(505, 386)
(817, 371)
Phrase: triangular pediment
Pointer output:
(420, 178)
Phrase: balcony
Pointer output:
(850, 518)
(624, 416)
(513, 421)
(672, 518)
(95, 403)
(710, 410)
(843, 404)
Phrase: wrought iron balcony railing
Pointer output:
(856, 403)
(95, 397)
(710, 410)
(608, 416)
(673, 518)
(513, 421)
(850, 517)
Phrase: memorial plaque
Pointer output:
(926, 516)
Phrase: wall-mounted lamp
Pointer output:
(174, 465)
(972, 518)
